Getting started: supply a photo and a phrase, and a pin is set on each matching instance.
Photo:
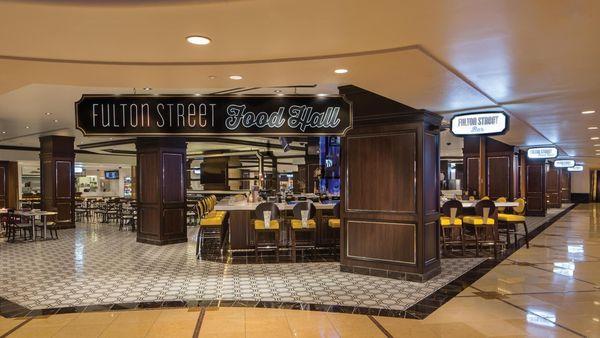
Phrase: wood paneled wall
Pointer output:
(501, 177)
(9, 184)
(57, 173)
(161, 191)
(390, 188)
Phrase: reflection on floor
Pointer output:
(549, 290)
(99, 265)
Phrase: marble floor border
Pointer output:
(420, 310)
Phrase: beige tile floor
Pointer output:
(549, 290)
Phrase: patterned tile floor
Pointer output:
(97, 264)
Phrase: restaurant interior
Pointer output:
(228, 188)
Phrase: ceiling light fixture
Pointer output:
(47, 114)
(592, 128)
(341, 71)
(277, 90)
(595, 138)
(321, 94)
(55, 121)
(236, 77)
(586, 112)
(27, 127)
(211, 77)
(147, 88)
(3, 132)
(198, 40)
(597, 145)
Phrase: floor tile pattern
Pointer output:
(97, 264)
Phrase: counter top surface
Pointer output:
(224, 206)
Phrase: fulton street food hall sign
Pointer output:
(149, 115)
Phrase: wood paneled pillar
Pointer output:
(161, 190)
(390, 189)
(57, 173)
(9, 184)
(535, 174)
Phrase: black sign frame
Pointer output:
(503, 132)
(85, 132)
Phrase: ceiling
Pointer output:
(536, 59)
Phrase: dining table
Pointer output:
(32, 214)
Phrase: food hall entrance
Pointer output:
(379, 214)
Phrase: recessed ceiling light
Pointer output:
(3, 132)
(147, 88)
(597, 145)
(197, 94)
(211, 77)
(47, 114)
(341, 71)
(235, 77)
(321, 94)
(27, 127)
(55, 121)
(277, 90)
(198, 40)
(592, 128)
(279, 94)
(588, 112)
(595, 138)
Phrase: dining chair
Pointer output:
(298, 226)
(485, 225)
(510, 222)
(273, 226)
(452, 225)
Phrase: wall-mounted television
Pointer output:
(111, 174)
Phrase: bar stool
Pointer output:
(211, 226)
(334, 226)
(452, 210)
(512, 220)
(484, 224)
(299, 226)
(267, 212)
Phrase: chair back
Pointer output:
(485, 198)
(336, 210)
(520, 210)
(266, 206)
(485, 209)
(452, 209)
(200, 209)
(501, 200)
(300, 206)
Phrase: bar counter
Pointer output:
(241, 229)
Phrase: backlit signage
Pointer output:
(549, 152)
(564, 163)
(179, 115)
(576, 168)
(489, 123)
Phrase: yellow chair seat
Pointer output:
(477, 220)
(511, 218)
(260, 224)
(334, 223)
(445, 221)
(216, 213)
(211, 222)
(297, 224)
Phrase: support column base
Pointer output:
(400, 275)
(155, 241)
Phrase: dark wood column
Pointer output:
(57, 173)
(553, 193)
(9, 184)
(161, 192)
(535, 174)
(390, 189)
(565, 186)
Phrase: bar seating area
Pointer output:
(212, 224)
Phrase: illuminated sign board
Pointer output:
(549, 152)
(564, 163)
(490, 123)
(576, 168)
(181, 115)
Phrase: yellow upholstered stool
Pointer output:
(451, 226)
(211, 225)
(273, 228)
(310, 211)
(485, 226)
(510, 222)
(334, 223)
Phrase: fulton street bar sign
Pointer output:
(485, 123)
(148, 115)
(549, 152)
(564, 163)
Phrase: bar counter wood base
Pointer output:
(390, 189)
